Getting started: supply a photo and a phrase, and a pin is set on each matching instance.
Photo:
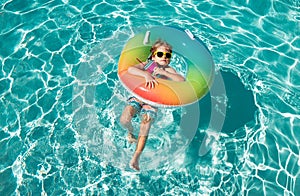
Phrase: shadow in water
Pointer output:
(239, 105)
(223, 112)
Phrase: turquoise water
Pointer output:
(60, 100)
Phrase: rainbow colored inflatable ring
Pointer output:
(200, 67)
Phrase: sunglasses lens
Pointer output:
(160, 54)
(168, 55)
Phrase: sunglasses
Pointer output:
(161, 54)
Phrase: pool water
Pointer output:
(61, 100)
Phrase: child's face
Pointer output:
(162, 59)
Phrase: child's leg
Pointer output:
(148, 116)
(129, 112)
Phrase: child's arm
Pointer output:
(138, 70)
(170, 73)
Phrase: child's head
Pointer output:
(160, 43)
(161, 52)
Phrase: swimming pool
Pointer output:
(60, 100)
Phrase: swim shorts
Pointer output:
(142, 107)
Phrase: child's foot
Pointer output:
(131, 138)
(134, 164)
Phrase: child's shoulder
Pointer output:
(169, 68)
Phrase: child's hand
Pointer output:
(150, 81)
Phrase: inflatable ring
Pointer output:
(200, 67)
